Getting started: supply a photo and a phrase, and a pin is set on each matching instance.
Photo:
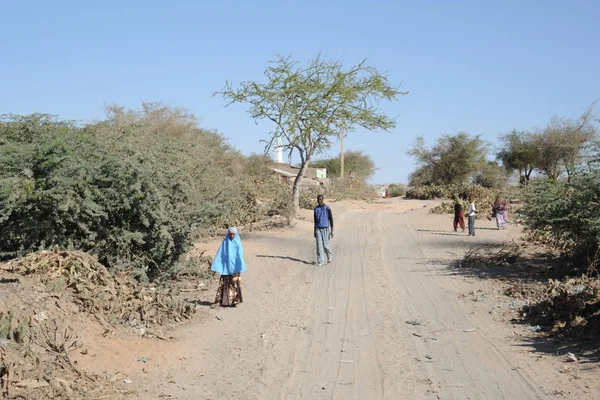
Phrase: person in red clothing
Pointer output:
(459, 213)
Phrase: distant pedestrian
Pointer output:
(459, 213)
(323, 230)
(471, 212)
(229, 262)
(500, 211)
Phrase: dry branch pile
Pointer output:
(570, 308)
(561, 307)
(109, 297)
(444, 208)
(490, 255)
(36, 342)
(42, 368)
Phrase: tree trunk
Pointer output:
(296, 187)
(521, 177)
(528, 172)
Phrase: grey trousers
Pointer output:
(323, 248)
(472, 225)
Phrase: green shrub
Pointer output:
(356, 164)
(61, 188)
(308, 200)
(566, 212)
(135, 189)
(350, 189)
(397, 190)
(483, 197)
(428, 192)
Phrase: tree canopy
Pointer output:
(519, 152)
(556, 149)
(356, 163)
(309, 106)
(453, 159)
(135, 189)
(491, 175)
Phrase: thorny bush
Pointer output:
(135, 189)
(565, 215)
(483, 197)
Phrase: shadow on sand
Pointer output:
(587, 350)
(534, 268)
(452, 233)
(531, 267)
(203, 303)
(285, 258)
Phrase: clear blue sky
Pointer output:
(484, 67)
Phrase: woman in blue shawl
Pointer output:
(229, 262)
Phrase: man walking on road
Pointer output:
(323, 230)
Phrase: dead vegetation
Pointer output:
(49, 298)
(490, 255)
(557, 305)
(569, 308)
(111, 298)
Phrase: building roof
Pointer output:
(292, 170)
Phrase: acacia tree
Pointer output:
(309, 106)
(491, 175)
(568, 138)
(519, 152)
(560, 145)
(453, 159)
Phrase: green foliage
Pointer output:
(567, 212)
(350, 189)
(397, 190)
(491, 175)
(428, 192)
(57, 285)
(561, 143)
(13, 328)
(309, 106)
(554, 150)
(482, 196)
(519, 152)
(308, 200)
(339, 189)
(134, 189)
(356, 164)
(453, 159)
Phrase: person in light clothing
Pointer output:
(471, 212)
(500, 212)
(323, 230)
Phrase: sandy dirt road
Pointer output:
(384, 320)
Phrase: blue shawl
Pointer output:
(230, 256)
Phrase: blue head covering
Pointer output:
(230, 256)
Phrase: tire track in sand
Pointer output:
(340, 359)
(465, 364)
